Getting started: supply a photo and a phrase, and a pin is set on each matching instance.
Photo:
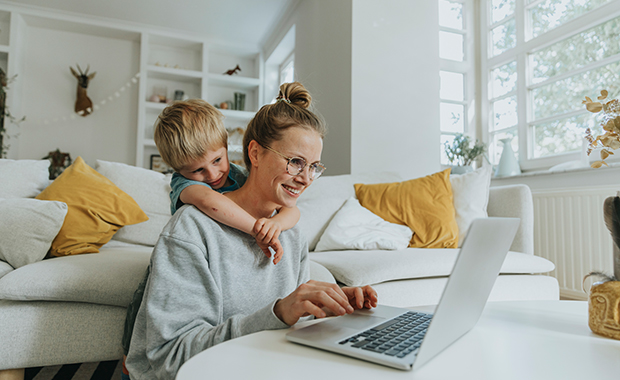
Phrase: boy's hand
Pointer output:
(276, 248)
(266, 233)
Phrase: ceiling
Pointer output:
(242, 21)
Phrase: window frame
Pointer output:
(520, 53)
(467, 68)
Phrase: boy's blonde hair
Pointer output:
(186, 130)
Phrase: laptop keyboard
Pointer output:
(397, 337)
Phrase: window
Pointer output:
(456, 73)
(542, 58)
(287, 70)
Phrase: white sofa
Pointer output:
(72, 309)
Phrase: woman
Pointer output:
(210, 283)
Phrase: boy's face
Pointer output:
(212, 169)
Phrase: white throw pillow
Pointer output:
(471, 197)
(23, 178)
(28, 228)
(150, 189)
(355, 227)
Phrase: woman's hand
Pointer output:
(313, 298)
(361, 297)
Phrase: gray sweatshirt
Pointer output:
(209, 283)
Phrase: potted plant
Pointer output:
(462, 153)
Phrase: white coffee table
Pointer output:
(513, 340)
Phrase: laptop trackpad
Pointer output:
(356, 321)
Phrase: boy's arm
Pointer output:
(287, 217)
(218, 207)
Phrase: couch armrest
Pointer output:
(515, 201)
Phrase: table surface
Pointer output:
(513, 340)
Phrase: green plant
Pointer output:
(461, 152)
(4, 113)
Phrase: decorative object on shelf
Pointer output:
(106, 100)
(604, 297)
(83, 104)
(59, 161)
(159, 165)
(610, 122)
(462, 154)
(178, 94)
(233, 71)
(5, 113)
(159, 94)
(508, 163)
(224, 105)
(239, 101)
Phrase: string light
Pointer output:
(96, 106)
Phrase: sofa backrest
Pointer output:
(322, 200)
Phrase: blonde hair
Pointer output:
(291, 109)
(186, 130)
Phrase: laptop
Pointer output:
(405, 339)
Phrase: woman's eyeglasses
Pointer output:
(296, 165)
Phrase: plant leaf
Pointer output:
(597, 164)
(594, 107)
(604, 154)
(604, 94)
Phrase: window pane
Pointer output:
(505, 113)
(496, 147)
(451, 86)
(575, 52)
(500, 9)
(504, 79)
(444, 157)
(452, 117)
(504, 37)
(551, 13)
(450, 14)
(561, 136)
(287, 73)
(451, 46)
(566, 95)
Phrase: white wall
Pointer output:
(49, 94)
(395, 87)
(373, 71)
(323, 65)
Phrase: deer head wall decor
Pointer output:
(83, 104)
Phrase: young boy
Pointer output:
(191, 138)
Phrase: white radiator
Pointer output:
(570, 231)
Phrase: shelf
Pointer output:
(4, 49)
(170, 73)
(156, 106)
(150, 142)
(240, 115)
(233, 81)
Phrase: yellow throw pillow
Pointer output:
(423, 204)
(96, 209)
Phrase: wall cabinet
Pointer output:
(166, 61)
(173, 67)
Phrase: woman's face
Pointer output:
(278, 185)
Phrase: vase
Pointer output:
(603, 317)
(508, 163)
(456, 169)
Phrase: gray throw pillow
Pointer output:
(28, 228)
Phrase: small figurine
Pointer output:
(83, 104)
(233, 71)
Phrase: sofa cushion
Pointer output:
(356, 268)
(356, 227)
(6, 268)
(471, 197)
(109, 277)
(424, 204)
(28, 228)
(97, 209)
(150, 190)
(319, 202)
(23, 178)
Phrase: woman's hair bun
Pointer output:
(296, 94)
